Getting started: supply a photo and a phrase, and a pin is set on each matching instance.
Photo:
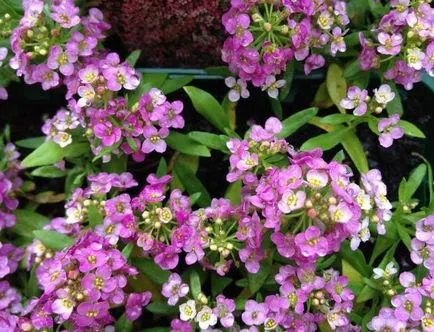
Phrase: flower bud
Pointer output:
(308, 204)
(229, 246)
(332, 200)
(267, 26)
(378, 110)
(157, 225)
(213, 247)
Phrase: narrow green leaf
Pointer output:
(133, 57)
(187, 145)
(28, 221)
(194, 198)
(256, 280)
(410, 129)
(405, 237)
(288, 77)
(325, 141)
(337, 118)
(354, 149)
(276, 106)
(162, 308)
(94, 216)
(395, 106)
(192, 184)
(152, 270)
(162, 167)
(31, 143)
(206, 105)
(322, 98)
(48, 172)
(233, 192)
(218, 284)
(336, 85)
(128, 249)
(381, 245)
(32, 289)
(366, 294)
(296, 121)
(355, 258)
(414, 181)
(175, 84)
(123, 324)
(195, 286)
(213, 141)
(53, 239)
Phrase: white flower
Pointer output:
(206, 318)
(63, 139)
(364, 200)
(387, 273)
(187, 310)
(74, 215)
(384, 94)
(363, 234)
(238, 89)
(415, 57)
(325, 20)
(272, 86)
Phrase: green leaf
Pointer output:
(117, 164)
(322, 98)
(354, 149)
(133, 57)
(174, 84)
(352, 69)
(94, 216)
(381, 245)
(414, 181)
(288, 77)
(366, 294)
(162, 308)
(194, 198)
(206, 105)
(410, 129)
(355, 278)
(297, 120)
(148, 81)
(48, 172)
(31, 143)
(53, 239)
(195, 286)
(32, 289)
(325, 141)
(233, 192)
(152, 270)
(218, 284)
(373, 124)
(276, 106)
(128, 249)
(187, 145)
(50, 153)
(395, 106)
(192, 184)
(355, 258)
(256, 280)
(157, 329)
(74, 179)
(123, 324)
(162, 167)
(28, 221)
(337, 118)
(132, 143)
(405, 237)
(213, 141)
(336, 85)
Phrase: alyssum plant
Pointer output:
(301, 240)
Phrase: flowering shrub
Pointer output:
(304, 236)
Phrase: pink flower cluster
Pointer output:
(305, 299)
(264, 37)
(10, 306)
(69, 54)
(81, 284)
(3, 55)
(9, 183)
(406, 35)
(49, 44)
(412, 298)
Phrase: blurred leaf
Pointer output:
(133, 57)
(355, 258)
(195, 286)
(405, 237)
(94, 216)
(295, 121)
(322, 98)
(175, 84)
(213, 141)
(48, 172)
(152, 270)
(336, 85)
(395, 106)
(354, 276)
(276, 106)
(410, 129)
(354, 149)
(256, 280)
(27, 222)
(233, 192)
(31, 143)
(53, 239)
(192, 184)
(288, 76)
(127, 250)
(337, 118)
(187, 145)
(162, 167)
(123, 324)
(325, 141)
(219, 283)
(117, 164)
(162, 308)
(381, 245)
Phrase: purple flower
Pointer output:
(272, 86)
(99, 281)
(338, 42)
(356, 99)
(389, 130)
(224, 311)
(390, 44)
(238, 89)
(3, 93)
(425, 230)
(168, 258)
(64, 61)
(254, 313)
(311, 243)
(80, 44)
(47, 77)
(314, 61)
(408, 306)
(108, 133)
(251, 257)
(154, 139)
(135, 304)
(90, 259)
(174, 289)
(64, 305)
(88, 313)
(50, 275)
(65, 14)
(292, 201)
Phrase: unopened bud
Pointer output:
(406, 209)
(332, 200)
(378, 110)
(311, 213)
(229, 246)
(391, 292)
(284, 29)
(267, 27)
(308, 204)
(7, 16)
(213, 247)
(219, 221)
(157, 225)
